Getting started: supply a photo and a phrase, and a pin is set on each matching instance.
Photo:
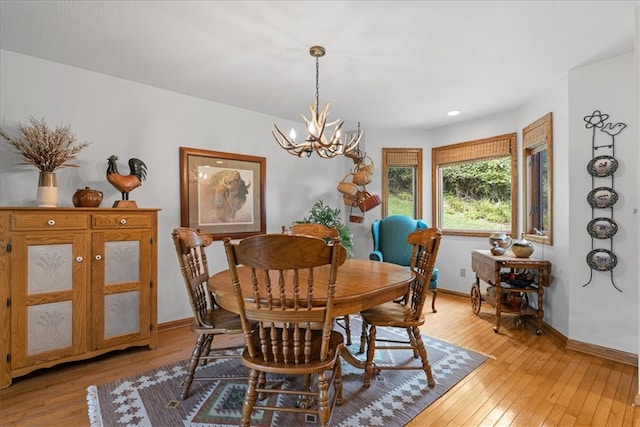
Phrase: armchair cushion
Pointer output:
(390, 241)
(390, 238)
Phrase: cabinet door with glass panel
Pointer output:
(121, 287)
(49, 293)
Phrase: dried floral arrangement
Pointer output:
(47, 149)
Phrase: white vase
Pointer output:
(47, 190)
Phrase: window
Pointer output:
(537, 155)
(402, 182)
(475, 186)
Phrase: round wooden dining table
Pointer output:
(361, 284)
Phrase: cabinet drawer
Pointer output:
(49, 221)
(121, 220)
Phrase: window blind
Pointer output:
(402, 158)
(474, 151)
(537, 133)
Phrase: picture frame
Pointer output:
(222, 194)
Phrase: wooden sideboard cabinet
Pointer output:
(74, 283)
(510, 295)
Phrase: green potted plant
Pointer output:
(330, 217)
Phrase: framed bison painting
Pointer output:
(222, 193)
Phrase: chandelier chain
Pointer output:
(317, 83)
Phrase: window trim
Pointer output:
(388, 155)
(469, 152)
(536, 137)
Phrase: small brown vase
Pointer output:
(87, 198)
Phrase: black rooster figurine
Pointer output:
(126, 183)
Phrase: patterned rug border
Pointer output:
(397, 397)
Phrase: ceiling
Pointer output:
(389, 64)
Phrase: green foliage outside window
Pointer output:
(400, 191)
(477, 195)
(480, 180)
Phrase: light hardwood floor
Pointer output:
(528, 380)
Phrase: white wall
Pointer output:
(132, 120)
(129, 119)
(554, 99)
(637, 71)
(598, 312)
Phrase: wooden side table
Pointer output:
(510, 295)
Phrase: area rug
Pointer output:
(394, 398)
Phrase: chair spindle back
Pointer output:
(285, 299)
(426, 243)
(190, 247)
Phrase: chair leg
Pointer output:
(249, 398)
(323, 399)
(426, 366)
(413, 343)
(306, 401)
(262, 383)
(363, 337)
(262, 380)
(371, 350)
(337, 385)
(193, 364)
(206, 350)
(433, 300)
(347, 328)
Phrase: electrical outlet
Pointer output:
(463, 272)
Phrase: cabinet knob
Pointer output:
(123, 221)
(51, 222)
(79, 259)
(98, 257)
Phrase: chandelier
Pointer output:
(316, 140)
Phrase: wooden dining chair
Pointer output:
(209, 319)
(283, 302)
(324, 232)
(406, 313)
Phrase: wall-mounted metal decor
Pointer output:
(602, 197)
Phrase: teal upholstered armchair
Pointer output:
(390, 244)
